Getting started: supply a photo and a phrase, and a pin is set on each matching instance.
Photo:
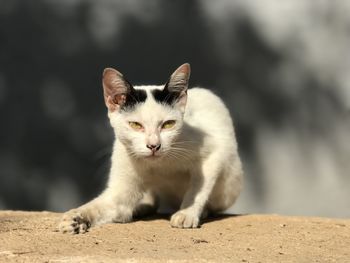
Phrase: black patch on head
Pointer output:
(133, 97)
(165, 96)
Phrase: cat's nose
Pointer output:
(153, 147)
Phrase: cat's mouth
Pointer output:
(153, 156)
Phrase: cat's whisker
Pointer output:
(132, 153)
(184, 147)
(180, 159)
(172, 155)
(185, 151)
(185, 142)
(183, 155)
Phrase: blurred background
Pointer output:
(282, 68)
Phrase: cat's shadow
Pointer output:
(166, 216)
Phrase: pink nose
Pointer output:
(153, 147)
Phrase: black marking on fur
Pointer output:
(133, 97)
(165, 96)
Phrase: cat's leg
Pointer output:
(201, 185)
(227, 188)
(115, 204)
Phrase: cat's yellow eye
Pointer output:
(135, 125)
(168, 124)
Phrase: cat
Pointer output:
(174, 147)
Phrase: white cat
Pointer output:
(174, 147)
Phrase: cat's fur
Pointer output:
(193, 166)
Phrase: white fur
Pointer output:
(196, 171)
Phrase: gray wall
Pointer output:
(281, 67)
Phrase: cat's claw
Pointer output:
(183, 219)
(73, 223)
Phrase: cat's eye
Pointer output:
(168, 124)
(135, 125)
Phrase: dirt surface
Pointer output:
(32, 237)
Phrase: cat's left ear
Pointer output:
(178, 84)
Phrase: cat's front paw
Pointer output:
(73, 222)
(184, 219)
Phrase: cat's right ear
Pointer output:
(115, 89)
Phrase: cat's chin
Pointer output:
(152, 157)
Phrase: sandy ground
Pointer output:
(32, 237)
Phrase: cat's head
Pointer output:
(146, 119)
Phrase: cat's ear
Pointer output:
(178, 84)
(178, 81)
(115, 89)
